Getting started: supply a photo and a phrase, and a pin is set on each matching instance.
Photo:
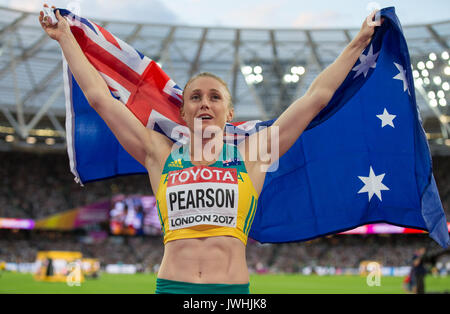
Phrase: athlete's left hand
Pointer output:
(368, 27)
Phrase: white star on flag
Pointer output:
(386, 118)
(373, 185)
(402, 77)
(366, 62)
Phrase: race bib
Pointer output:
(202, 196)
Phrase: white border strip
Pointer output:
(67, 76)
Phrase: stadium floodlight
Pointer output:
(447, 70)
(441, 94)
(418, 82)
(421, 65)
(287, 78)
(426, 81)
(298, 70)
(31, 140)
(251, 78)
(291, 78)
(259, 78)
(437, 80)
(430, 65)
(433, 102)
(416, 74)
(9, 138)
(247, 70)
(445, 55)
(431, 95)
(446, 86)
(257, 69)
(442, 102)
(432, 56)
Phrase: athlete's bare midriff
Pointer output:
(216, 260)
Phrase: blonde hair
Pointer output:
(208, 74)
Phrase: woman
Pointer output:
(207, 191)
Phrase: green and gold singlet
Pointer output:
(206, 201)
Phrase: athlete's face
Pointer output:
(206, 101)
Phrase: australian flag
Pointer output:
(363, 159)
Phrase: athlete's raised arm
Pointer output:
(143, 144)
(294, 120)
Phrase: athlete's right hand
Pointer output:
(55, 31)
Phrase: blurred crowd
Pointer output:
(344, 251)
(339, 251)
(38, 185)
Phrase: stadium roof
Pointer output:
(266, 69)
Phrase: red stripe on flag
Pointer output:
(110, 38)
(238, 123)
(150, 95)
(105, 62)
